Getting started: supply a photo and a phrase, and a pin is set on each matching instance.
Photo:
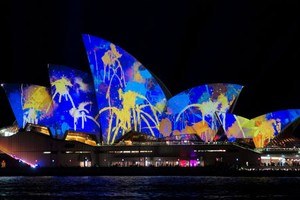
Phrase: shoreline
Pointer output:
(146, 171)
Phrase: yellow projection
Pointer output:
(261, 130)
(111, 60)
(61, 89)
(36, 100)
(130, 110)
(165, 127)
(206, 108)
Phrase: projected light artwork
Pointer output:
(193, 111)
(74, 101)
(128, 96)
(120, 95)
(262, 128)
(233, 125)
(30, 103)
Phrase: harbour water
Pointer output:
(147, 187)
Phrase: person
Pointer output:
(3, 164)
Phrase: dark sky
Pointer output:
(184, 43)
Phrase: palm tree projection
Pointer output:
(81, 112)
(111, 60)
(30, 116)
(131, 113)
(36, 102)
(61, 88)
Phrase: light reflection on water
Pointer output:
(147, 187)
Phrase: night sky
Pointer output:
(184, 43)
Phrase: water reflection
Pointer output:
(147, 187)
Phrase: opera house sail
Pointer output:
(128, 96)
(30, 103)
(74, 101)
(262, 129)
(194, 110)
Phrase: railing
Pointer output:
(151, 143)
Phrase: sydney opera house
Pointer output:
(121, 114)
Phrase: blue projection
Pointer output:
(128, 96)
(261, 129)
(233, 125)
(194, 110)
(30, 103)
(74, 101)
